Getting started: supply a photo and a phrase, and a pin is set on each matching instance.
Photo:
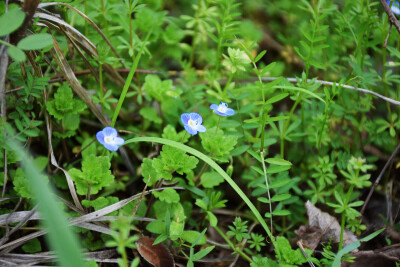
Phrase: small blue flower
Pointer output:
(109, 139)
(192, 122)
(395, 7)
(222, 109)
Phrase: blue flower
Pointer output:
(192, 122)
(395, 7)
(109, 139)
(222, 109)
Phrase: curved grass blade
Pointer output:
(60, 237)
(293, 88)
(129, 78)
(216, 167)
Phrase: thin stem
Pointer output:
(228, 82)
(219, 119)
(103, 10)
(101, 87)
(183, 138)
(285, 127)
(267, 184)
(346, 202)
(240, 252)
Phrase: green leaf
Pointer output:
(148, 171)
(170, 133)
(260, 55)
(32, 246)
(278, 161)
(154, 87)
(36, 42)
(277, 169)
(211, 179)
(281, 212)
(172, 159)
(95, 173)
(156, 227)
(276, 98)
(17, 54)
(150, 114)
(353, 246)
(219, 145)
(168, 195)
(176, 230)
(239, 150)
(202, 253)
(11, 21)
(191, 236)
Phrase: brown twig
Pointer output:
(375, 184)
(392, 18)
(29, 8)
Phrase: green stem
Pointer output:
(103, 10)
(285, 127)
(129, 79)
(219, 119)
(267, 184)
(346, 202)
(101, 87)
(240, 252)
(183, 138)
(228, 82)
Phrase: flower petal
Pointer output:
(119, 141)
(201, 128)
(110, 131)
(111, 147)
(213, 107)
(100, 137)
(230, 112)
(196, 117)
(185, 118)
(190, 130)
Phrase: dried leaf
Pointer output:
(157, 255)
(322, 227)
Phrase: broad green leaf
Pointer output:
(11, 21)
(17, 54)
(191, 236)
(211, 179)
(36, 42)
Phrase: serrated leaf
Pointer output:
(211, 179)
(168, 195)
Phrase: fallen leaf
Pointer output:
(157, 255)
(321, 228)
